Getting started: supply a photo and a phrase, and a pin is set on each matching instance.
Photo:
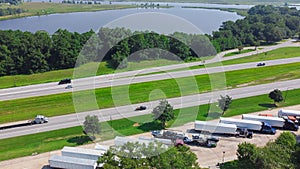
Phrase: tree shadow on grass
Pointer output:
(154, 125)
(79, 140)
(267, 105)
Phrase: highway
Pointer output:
(131, 77)
(76, 119)
(109, 80)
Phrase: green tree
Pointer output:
(286, 139)
(163, 112)
(246, 155)
(91, 125)
(224, 103)
(276, 95)
(153, 155)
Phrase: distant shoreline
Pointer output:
(242, 12)
(45, 8)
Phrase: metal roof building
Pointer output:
(82, 153)
(56, 161)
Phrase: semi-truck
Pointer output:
(251, 125)
(221, 128)
(168, 134)
(277, 122)
(39, 119)
(177, 136)
(202, 140)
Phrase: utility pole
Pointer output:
(223, 158)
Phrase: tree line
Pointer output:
(10, 11)
(12, 2)
(263, 24)
(27, 53)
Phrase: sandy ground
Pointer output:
(207, 157)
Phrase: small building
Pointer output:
(66, 162)
(82, 153)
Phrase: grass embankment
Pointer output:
(44, 8)
(53, 140)
(84, 70)
(59, 104)
(281, 53)
(242, 12)
(237, 52)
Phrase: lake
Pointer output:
(206, 20)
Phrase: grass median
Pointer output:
(59, 104)
(237, 52)
(54, 140)
(55, 76)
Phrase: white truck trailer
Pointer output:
(251, 125)
(221, 128)
(66, 162)
(284, 112)
(273, 121)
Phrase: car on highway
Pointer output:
(140, 108)
(69, 87)
(64, 81)
(261, 64)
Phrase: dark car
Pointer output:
(141, 108)
(261, 64)
(64, 81)
(69, 87)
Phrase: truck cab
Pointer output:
(268, 129)
(39, 119)
(290, 125)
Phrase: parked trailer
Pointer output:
(83, 153)
(273, 121)
(221, 128)
(293, 118)
(251, 125)
(66, 162)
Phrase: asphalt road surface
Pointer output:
(109, 80)
(76, 119)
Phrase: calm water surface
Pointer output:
(206, 20)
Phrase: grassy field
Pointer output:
(44, 8)
(242, 12)
(53, 140)
(281, 53)
(237, 52)
(59, 104)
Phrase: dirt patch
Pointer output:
(136, 124)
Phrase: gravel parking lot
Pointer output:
(207, 157)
